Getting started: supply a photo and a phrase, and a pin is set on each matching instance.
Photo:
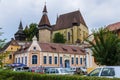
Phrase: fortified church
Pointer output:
(46, 53)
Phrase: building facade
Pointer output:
(8, 50)
(50, 55)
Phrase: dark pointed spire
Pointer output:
(45, 9)
(20, 25)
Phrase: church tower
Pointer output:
(44, 28)
(19, 35)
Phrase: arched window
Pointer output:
(34, 59)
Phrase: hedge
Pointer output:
(9, 75)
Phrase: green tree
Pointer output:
(59, 38)
(31, 31)
(2, 54)
(105, 47)
(2, 42)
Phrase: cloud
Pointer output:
(96, 13)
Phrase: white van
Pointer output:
(106, 71)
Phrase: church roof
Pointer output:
(20, 25)
(20, 29)
(114, 26)
(44, 20)
(65, 20)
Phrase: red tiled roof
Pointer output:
(60, 48)
(56, 48)
(114, 27)
(65, 20)
(44, 21)
(24, 48)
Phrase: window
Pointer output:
(34, 48)
(61, 60)
(10, 56)
(45, 59)
(25, 60)
(108, 72)
(22, 59)
(76, 60)
(80, 60)
(72, 60)
(55, 60)
(34, 59)
(95, 72)
(11, 48)
(18, 60)
(69, 36)
(50, 59)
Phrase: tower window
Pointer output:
(69, 36)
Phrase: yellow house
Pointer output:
(71, 25)
(11, 47)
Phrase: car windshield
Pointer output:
(95, 72)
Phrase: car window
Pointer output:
(95, 72)
(52, 70)
(108, 72)
(57, 71)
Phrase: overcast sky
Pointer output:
(96, 13)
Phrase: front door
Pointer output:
(67, 63)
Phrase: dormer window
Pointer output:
(64, 49)
(74, 50)
(53, 48)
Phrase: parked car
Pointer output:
(78, 70)
(37, 70)
(24, 69)
(57, 71)
(106, 71)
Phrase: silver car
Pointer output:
(106, 71)
(57, 71)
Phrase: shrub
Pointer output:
(9, 75)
